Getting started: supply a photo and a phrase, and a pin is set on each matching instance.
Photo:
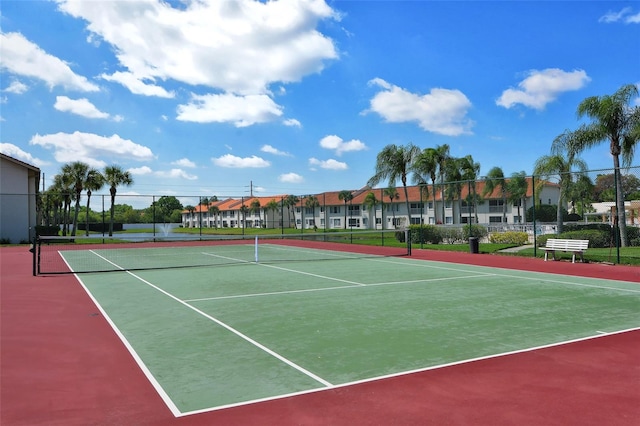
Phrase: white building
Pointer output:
(19, 184)
(328, 211)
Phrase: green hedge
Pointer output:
(511, 237)
(431, 234)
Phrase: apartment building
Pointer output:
(360, 210)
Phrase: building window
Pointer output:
(448, 220)
(416, 220)
(334, 209)
(495, 219)
(495, 206)
(353, 210)
(336, 223)
(309, 210)
(354, 222)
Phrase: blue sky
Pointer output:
(205, 97)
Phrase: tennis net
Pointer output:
(60, 255)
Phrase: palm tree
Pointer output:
(255, 207)
(346, 196)
(495, 179)
(290, 202)
(392, 193)
(214, 210)
(442, 159)
(453, 175)
(311, 203)
(517, 188)
(190, 209)
(470, 172)
(426, 165)
(613, 120)
(371, 201)
(62, 185)
(393, 163)
(272, 206)
(93, 182)
(114, 176)
(557, 164)
(244, 210)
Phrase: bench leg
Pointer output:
(573, 257)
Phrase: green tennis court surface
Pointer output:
(214, 337)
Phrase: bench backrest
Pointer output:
(558, 244)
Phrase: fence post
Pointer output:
(533, 215)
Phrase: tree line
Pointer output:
(613, 120)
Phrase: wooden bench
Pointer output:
(573, 246)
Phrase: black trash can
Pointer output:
(473, 245)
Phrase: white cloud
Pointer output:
(624, 15)
(337, 144)
(241, 46)
(290, 178)
(543, 87)
(329, 164)
(22, 57)
(176, 173)
(80, 107)
(16, 87)
(231, 161)
(184, 162)
(271, 150)
(242, 111)
(16, 152)
(441, 111)
(292, 122)
(144, 170)
(91, 148)
(137, 86)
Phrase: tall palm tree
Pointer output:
(290, 201)
(442, 158)
(190, 209)
(470, 172)
(93, 182)
(371, 202)
(426, 165)
(562, 166)
(214, 210)
(393, 163)
(392, 193)
(63, 186)
(255, 207)
(517, 188)
(311, 202)
(495, 179)
(453, 176)
(345, 195)
(114, 176)
(614, 120)
(272, 206)
(76, 173)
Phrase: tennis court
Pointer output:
(301, 320)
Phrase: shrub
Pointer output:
(596, 238)
(425, 234)
(511, 237)
(546, 213)
(477, 231)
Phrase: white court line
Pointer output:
(515, 277)
(289, 270)
(224, 325)
(310, 290)
(415, 371)
(156, 385)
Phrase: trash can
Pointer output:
(473, 245)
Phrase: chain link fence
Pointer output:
(597, 205)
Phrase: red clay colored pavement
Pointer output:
(62, 364)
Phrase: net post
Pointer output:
(256, 249)
(32, 249)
